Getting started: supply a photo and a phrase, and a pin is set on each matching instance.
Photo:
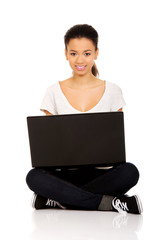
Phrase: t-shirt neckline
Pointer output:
(68, 103)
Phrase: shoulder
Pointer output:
(51, 89)
(113, 88)
(54, 86)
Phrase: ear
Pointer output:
(66, 54)
(96, 54)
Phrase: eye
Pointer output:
(88, 54)
(73, 54)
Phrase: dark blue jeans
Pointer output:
(82, 188)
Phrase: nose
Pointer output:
(79, 59)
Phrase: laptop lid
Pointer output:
(75, 140)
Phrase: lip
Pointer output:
(83, 67)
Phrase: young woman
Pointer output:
(90, 188)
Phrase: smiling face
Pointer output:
(81, 54)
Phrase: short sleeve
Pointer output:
(48, 102)
(117, 100)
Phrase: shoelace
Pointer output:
(52, 203)
(59, 205)
(121, 207)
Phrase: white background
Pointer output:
(32, 58)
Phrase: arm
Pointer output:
(47, 113)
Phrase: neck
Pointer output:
(83, 81)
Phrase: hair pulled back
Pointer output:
(80, 31)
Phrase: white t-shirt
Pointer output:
(56, 103)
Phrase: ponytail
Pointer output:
(95, 70)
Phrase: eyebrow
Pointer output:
(84, 51)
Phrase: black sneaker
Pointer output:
(125, 204)
(39, 202)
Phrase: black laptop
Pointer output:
(77, 140)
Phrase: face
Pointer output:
(81, 55)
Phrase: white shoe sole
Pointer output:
(139, 203)
(33, 200)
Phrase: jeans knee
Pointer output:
(133, 172)
(30, 178)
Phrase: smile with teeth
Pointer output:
(80, 67)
